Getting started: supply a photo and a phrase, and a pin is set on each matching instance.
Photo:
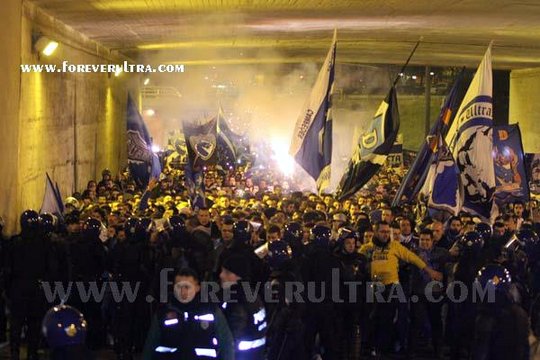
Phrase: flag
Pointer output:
(51, 203)
(195, 186)
(59, 197)
(414, 180)
(442, 188)
(471, 143)
(311, 144)
(226, 142)
(201, 142)
(373, 147)
(509, 164)
(143, 163)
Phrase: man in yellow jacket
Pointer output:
(383, 257)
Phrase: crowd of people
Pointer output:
(265, 272)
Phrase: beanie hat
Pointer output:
(238, 265)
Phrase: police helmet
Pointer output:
(495, 277)
(106, 172)
(64, 325)
(131, 227)
(146, 224)
(293, 232)
(92, 228)
(242, 231)
(484, 230)
(471, 241)
(177, 224)
(530, 243)
(278, 253)
(47, 223)
(320, 235)
(29, 220)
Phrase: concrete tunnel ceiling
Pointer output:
(454, 32)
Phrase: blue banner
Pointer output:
(509, 163)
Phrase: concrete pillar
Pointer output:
(525, 107)
(10, 38)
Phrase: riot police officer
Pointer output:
(245, 314)
(501, 329)
(87, 263)
(65, 329)
(129, 266)
(322, 317)
(188, 328)
(286, 328)
(27, 266)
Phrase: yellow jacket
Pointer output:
(384, 261)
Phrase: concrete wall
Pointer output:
(525, 107)
(10, 38)
(71, 125)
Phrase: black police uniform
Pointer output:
(27, 265)
(129, 266)
(247, 320)
(189, 331)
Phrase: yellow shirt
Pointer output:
(384, 262)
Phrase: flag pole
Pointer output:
(407, 62)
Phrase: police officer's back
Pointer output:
(27, 265)
(501, 330)
(243, 309)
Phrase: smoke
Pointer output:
(260, 89)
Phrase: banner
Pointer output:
(311, 144)
(509, 163)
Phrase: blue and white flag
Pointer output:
(194, 181)
(226, 142)
(443, 188)
(414, 180)
(373, 147)
(471, 143)
(201, 142)
(311, 144)
(52, 202)
(143, 163)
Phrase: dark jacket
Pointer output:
(247, 320)
(188, 333)
(437, 258)
(501, 333)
